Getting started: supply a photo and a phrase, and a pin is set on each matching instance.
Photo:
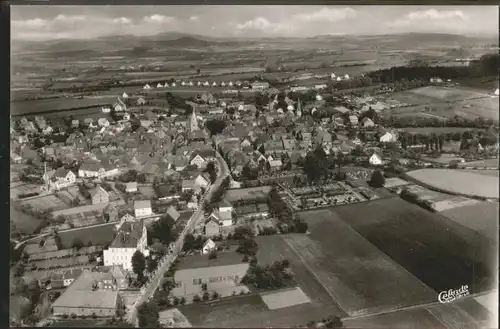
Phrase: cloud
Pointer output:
(35, 23)
(430, 16)
(122, 20)
(158, 19)
(262, 24)
(69, 19)
(194, 18)
(258, 23)
(327, 15)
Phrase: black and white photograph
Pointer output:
(254, 166)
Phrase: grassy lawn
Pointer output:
(98, 235)
(441, 253)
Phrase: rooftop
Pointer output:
(79, 294)
(202, 261)
(129, 235)
(141, 204)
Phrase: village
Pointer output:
(305, 167)
(101, 190)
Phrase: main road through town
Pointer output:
(153, 284)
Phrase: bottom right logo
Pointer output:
(453, 294)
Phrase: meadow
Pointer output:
(439, 252)
(457, 182)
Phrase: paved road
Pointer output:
(196, 218)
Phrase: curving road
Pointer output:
(196, 218)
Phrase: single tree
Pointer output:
(138, 264)
(147, 314)
(206, 296)
(77, 243)
(377, 179)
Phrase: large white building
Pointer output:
(131, 237)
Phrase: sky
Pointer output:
(81, 22)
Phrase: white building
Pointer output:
(332, 75)
(105, 109)
(346, 76)
(147, 87)
(496, 92)
(131, 237)
(319, 97)
(375, 160)
(103, 122)
(124, 95)
(224, 218)
(183, 83)
(208, 246)
(190, 83)
(131, 187)
(173, 84)
(199, 83)
(230, 84)
(198, 161)
(387, 138)
(339, 79)
(206, 83)
(214, 84)
(142, 208)
(159, 85)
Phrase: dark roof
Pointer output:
(129, 235)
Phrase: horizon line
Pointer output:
(194, 35)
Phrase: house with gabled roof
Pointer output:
(99, 195)
(131, 237)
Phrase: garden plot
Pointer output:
(286, 298)
(43, 203)
(62, 262)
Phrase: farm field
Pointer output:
(446, 93)
(457, 182)
(490, 173)
(437, 130)
(481, 217)
(441, 253)
(56, 104)
(483, 107)
(274, 248)
(248, 311)
(464, 313)
(98, 235)
(493, 163)
(355, 273)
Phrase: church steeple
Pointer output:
(194, 121)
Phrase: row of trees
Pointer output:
(275, 276)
